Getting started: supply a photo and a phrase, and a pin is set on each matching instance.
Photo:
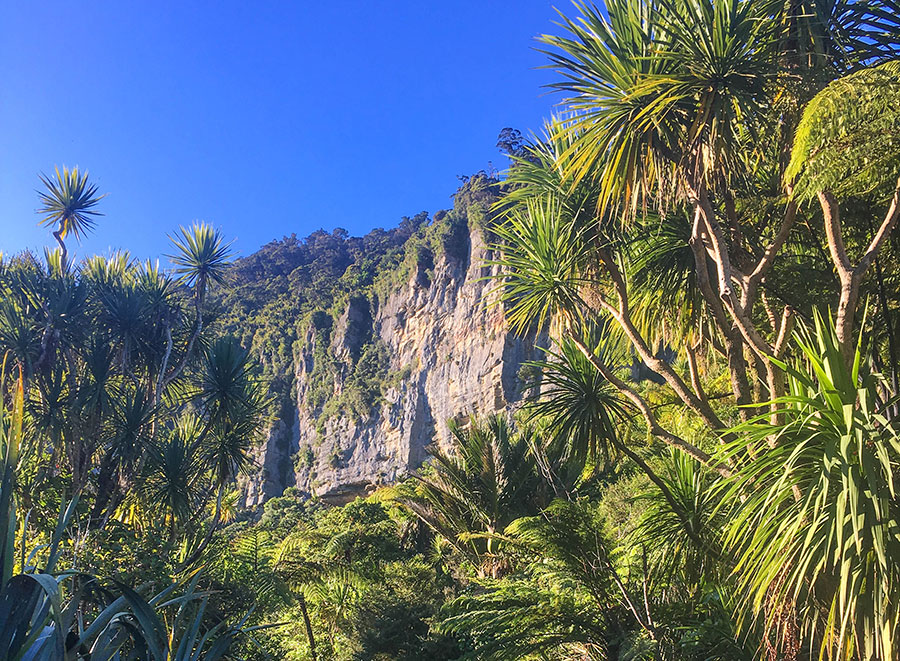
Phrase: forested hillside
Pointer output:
(371, 345)
(273, 294)
(658, 357)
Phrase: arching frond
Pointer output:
(665, 301)
(678, 559)
(659, 91)
(848, 140)
(475, 489)
(543, 255)
(171, 485)
(581, 408)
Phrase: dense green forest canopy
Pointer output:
(715, 207)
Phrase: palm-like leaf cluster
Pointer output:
(683, 531)
(129, 402)
(818, 535)
(660, 86)
(172, 483)
(565, 605)
(487, 478)
(544, 256)
(69, 202)
(48, 615)
(581, 409)
(201, 255)
(670, 203)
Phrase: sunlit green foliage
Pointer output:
(706, 465)
(68, 205)
(488, 478)
(822, 505)
(848, 140)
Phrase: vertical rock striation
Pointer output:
(450, 355)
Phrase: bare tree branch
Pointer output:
(768, 259)
(622, 316)
(695, 373)
(652, 424)
(883, 232)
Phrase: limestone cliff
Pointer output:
(448, 354)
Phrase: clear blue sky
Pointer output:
(264, 118)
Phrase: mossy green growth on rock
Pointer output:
(289, 301)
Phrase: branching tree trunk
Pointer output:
(851, 276)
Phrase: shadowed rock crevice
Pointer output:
(431, 350)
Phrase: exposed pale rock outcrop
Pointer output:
(451, 355)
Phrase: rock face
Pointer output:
(450, 354)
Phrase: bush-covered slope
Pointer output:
(326, 317)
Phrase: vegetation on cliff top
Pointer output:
(715, 208)
(286, 298)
